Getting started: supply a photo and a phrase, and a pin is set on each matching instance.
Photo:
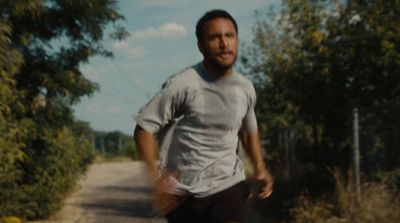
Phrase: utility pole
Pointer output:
(356, 145)
(102, 146)
(287, 151)
(119, 143)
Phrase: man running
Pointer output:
(199, 115)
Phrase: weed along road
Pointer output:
(110, 193)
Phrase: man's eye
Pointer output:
(213, 37)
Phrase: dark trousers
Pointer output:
(228, 205)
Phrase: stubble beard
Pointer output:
(220, 67)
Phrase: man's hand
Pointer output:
(165, 202)
(252, 145)
(266, 182)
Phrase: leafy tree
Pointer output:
(42, 45)
(12, 131)
(313, 64)
(55, 38)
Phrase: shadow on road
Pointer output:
(127, 189)
(127, 202)
(120, 207)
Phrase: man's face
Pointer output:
(219, 43)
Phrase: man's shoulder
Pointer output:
(183, 78)
(246, 82)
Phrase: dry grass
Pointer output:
(111, 159)
(378, 205)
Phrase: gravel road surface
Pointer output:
(109, 193)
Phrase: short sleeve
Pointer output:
(160, 110)
(249, 122)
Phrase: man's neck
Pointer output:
(217, 72)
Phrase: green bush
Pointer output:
(128, 149)
(43, 150)
(48, 174)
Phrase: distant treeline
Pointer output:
(114, 144)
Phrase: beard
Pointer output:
(219, 65)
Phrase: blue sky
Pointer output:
(161, 43)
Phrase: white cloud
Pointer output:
(134, 45)
(168, 30)
(129, 47)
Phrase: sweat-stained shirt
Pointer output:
(198, 118)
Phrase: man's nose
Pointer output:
(224, 43)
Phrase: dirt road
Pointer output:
(110, 193)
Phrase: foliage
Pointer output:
(55, 38)
(128, 149)
(9, 127)
(46, 179)
(115, 144)
(13, 131)
(43, 150)
(380, 138)
(317, 61)
(11, 219)
(312, 64)
(378, 204)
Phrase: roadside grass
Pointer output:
(111, 159)
(377, 204)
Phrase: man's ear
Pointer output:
(200, 47)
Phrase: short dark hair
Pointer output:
(210, 15)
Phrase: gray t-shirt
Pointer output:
(198, 119)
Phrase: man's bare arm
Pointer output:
(252, 145)
(146, 144)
